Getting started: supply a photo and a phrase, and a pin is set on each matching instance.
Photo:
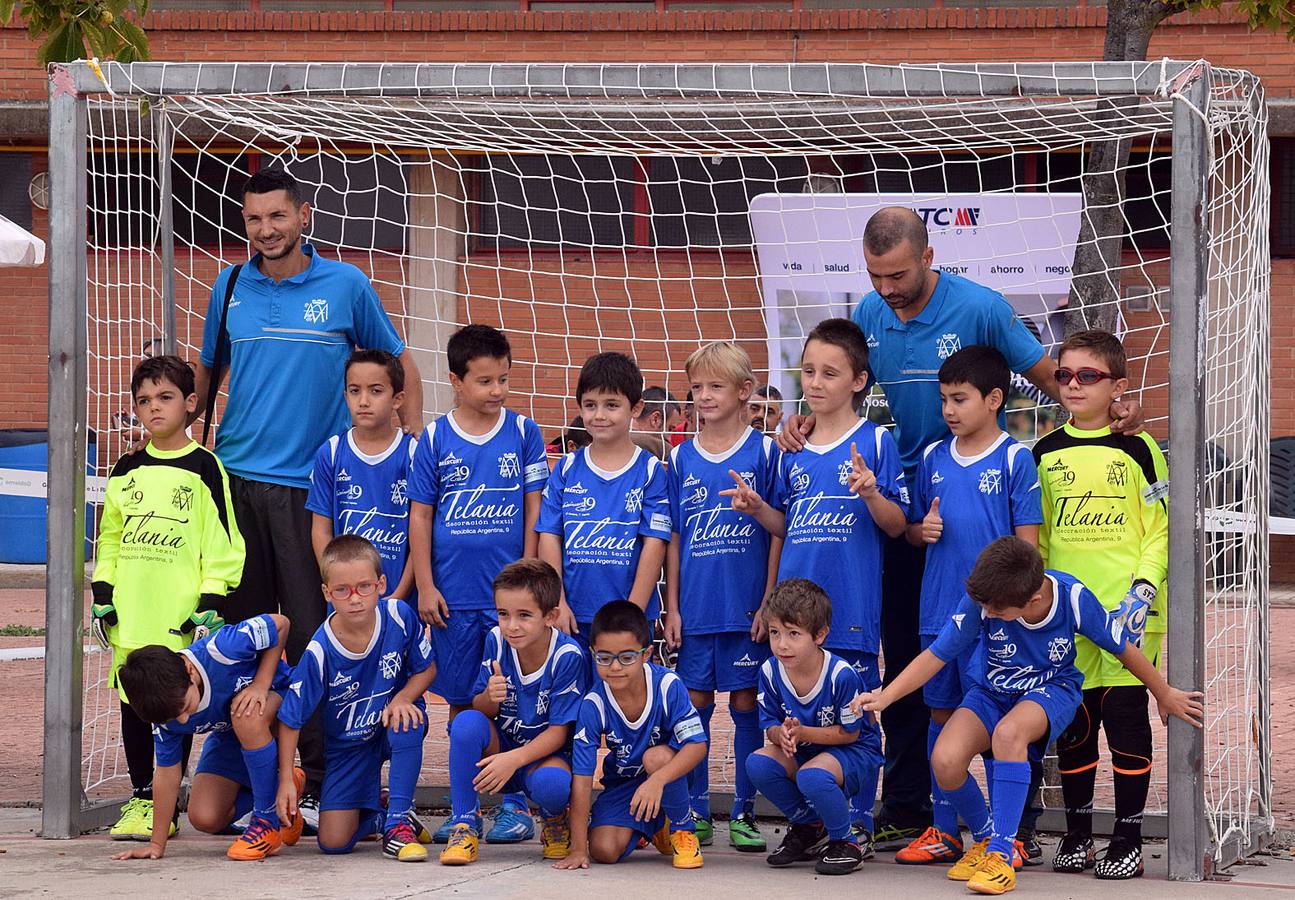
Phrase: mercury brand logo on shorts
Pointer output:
(746, 660)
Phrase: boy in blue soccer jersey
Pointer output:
(517, 736)
(228, 686)
(654, 739)
(822, 751)
(719, 568)
(360, 481)
(970, 488)
(605, 515)
(835, 501)
(1023, 619)
(369, 664)
(474, 488)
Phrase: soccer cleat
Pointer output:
(839, 858)
(291, 833)
(461, 848)
(685, 850)
(661, 840)
(967, 866)
(261, 839)
(891, 835)
(744, 834)
(442, 835)
(555, 836)
(308, 806)
(1031, 849)
(995, 875)
(424, 836)
(704, 829)
(136, 822)
(933, 846)
(512, 825)
(1122, 860)
(863, 837)
(400, 843)
(801, 843)
(1074, 853)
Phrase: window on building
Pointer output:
(1283, 196)
(15, 177)
(707, 202)
(357, 202)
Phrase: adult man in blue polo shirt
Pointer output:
(294, 318)
(914, 319)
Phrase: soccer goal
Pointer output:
(650, 207)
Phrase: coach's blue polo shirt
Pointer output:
(905, 357)
(286, 358)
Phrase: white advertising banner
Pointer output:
(810, 253)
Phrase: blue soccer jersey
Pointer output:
(366, 495)
(600, 517)
(550, 695)
(476, 485)
(982, 498)
(723, 554)
(831, 538)
(355, 687)
(1018, 656)
(668, 717)
(826, 704)
(226, 662)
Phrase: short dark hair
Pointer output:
(577, 434)
(770, 392)
(273, 179)
(848, 336)
(1102, 344)
(799, 601)
(980, 366)
(349, 548)
(1007, 574)
(621, 617)
(658, 398)
(388, 361)
(155, 681)
(473, 342)
(162, 368)
(613, 372)
(892, 226)
(534, 576)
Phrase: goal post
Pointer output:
(589, 206)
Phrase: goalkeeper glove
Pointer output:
(1134, 608)
(206, 618)
(103, 615)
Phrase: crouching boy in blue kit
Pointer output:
(822, 750)
(228, 686)
(517, 736)
(654, 739)
(369, 664)
(1024, 620)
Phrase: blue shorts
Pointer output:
(864, 664)
(1059, 699)
(353, 773)
(458, 648)
(612, 807)
(948, 686)
(222, 755)
(720, 662)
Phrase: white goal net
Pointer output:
(652, 208)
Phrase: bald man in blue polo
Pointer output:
(915, 318)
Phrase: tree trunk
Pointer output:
(1095, 282)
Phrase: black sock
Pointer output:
(137, 742)
(1128, 731)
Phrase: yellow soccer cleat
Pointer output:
(661, 840)
(461, 848)
(686, 850)
(136, 822)
(964, 868)
(995, 876)
(555, 836)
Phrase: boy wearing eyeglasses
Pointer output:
(369, 665)
(654, 739)
(1105, 521)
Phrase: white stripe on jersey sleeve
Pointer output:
(563, 650)
(394, 611)
(1075, 590)
(214, 652)
(1012, 452)
(597, 701)
(569, 460)
(332, 447)
(876, 439)
(836, 672)
(931, 446)
(666, 681)
(316, 650)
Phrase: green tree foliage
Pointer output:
(77, 29)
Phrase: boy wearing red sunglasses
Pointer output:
(1105, 521)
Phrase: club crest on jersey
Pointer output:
(542, 703)
(389, 664)
(182, 498)
(241, 682)
(1117, 473)
(843, 472)
(1058, 648)
(991, 481)
(634, 500)
(510, 466)
(947, 344)
(826, 716)
(398, 495)
(316, 310)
